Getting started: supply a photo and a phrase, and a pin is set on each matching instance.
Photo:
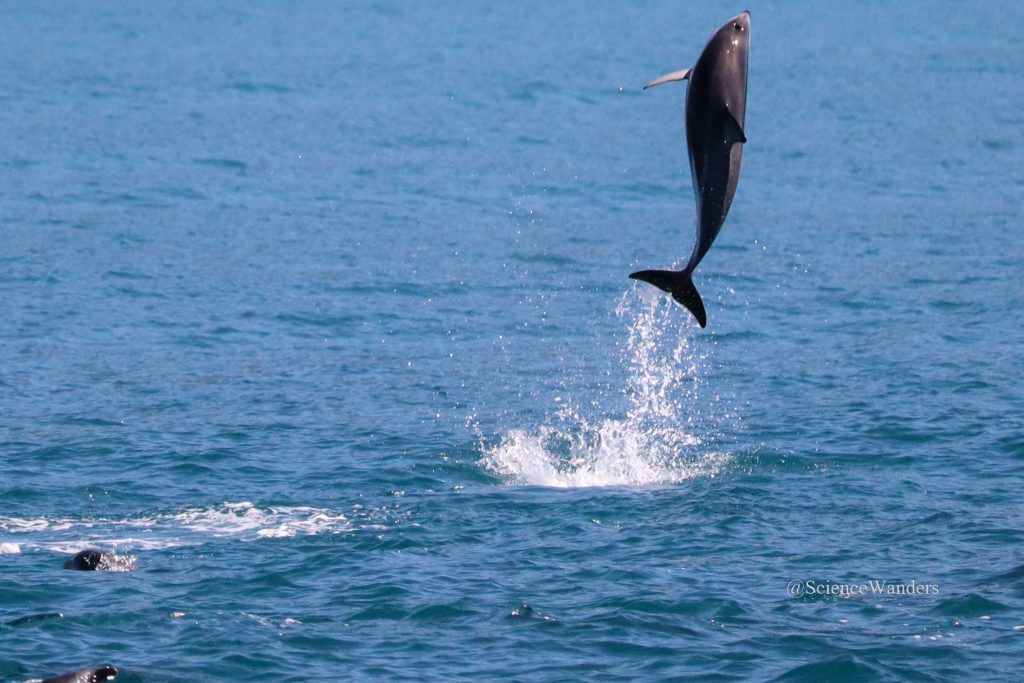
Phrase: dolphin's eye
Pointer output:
(736, 26)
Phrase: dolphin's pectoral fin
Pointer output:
(680, 75)
(733, 130)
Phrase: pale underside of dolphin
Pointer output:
(716, 103)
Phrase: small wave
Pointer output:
(656, 442)
(226, 164)
(838, 668)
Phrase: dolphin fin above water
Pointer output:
(680, 75)
(679, 283)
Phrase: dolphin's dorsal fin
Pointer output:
(733, 130)
(680, 75)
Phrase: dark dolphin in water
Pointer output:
(104, 673)
(716, 103)
(92, 559)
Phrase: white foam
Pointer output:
(9, 548)
(654, 443)
(231, 519)
(265, 621)
(72, 546)
(244, 520)
(314, 524)
(16, 525)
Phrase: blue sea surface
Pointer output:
(318, 313)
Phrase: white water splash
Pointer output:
(655, 443)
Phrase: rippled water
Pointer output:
(320, 315)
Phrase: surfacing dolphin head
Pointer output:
(93, 559)
(104, 673)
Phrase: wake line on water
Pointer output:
(656, 442)
(191, 526)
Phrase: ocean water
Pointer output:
(319, 313)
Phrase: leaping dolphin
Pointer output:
(716, 102)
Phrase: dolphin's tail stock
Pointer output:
(680, 285)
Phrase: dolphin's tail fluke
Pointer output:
(680, 285)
